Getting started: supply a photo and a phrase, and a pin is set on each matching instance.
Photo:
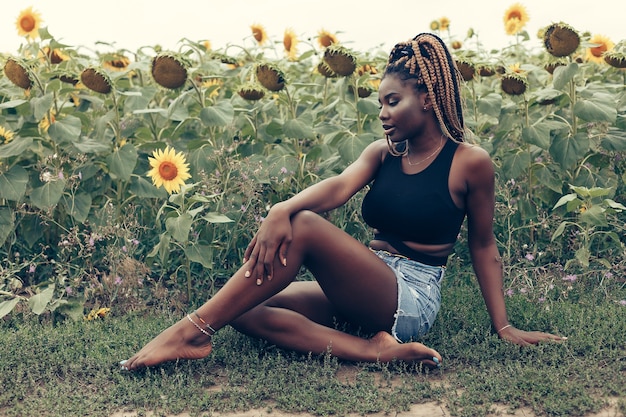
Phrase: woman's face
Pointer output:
(401, 110)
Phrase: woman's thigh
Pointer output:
(358, 284)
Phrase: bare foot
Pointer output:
(390, 349)
(180, 341)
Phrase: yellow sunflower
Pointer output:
(259, 33)
(601, 44)
(325, 38)
(169, 169)
(444, 23)
(515, 18)
(6, 135)
(28, 23)
(290, 42)
(213, 86)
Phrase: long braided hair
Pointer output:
(426, 59)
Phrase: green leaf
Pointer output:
(91, 145)
(563, 75)
(351, 147)
(600, 108)
(565, 199)
(41, 105)
(559, 231)
(515, 164)
(11, 104)
(214, 217)
(78, 206)
(566, 150)
(48, 195)
(537, 134)
(7, 306)
(490, 104)
(162, 248)
(15, 147)
(368, 106)
(297, 129)
(201, 254)
(582, 255)
(221, 114)
(7, 223)
(122, 162)
(179, 227)
(615, 140)
(40, 301)
(65, 130)
(614, 205)
(594, 216)
(13, 183)
(143, 188)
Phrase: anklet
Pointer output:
(198, 327)
(208, 326)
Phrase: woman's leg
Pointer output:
(358, 285)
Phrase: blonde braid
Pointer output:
(426, 59)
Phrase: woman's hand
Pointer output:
(274, 236)
(524, 338)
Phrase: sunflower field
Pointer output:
(135, 177)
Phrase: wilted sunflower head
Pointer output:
(251, 91)
(515, 18)
(290, 42)
(553, 64)
(599, 46)
(258, 33)
(513, 83)
(325, 38)
(486, 70)
(560, 39)
(116, 62)
(169, 169)
(341, 60)
(466, 68)
(96, 80)
(617, 56)
(270, 76)
(169, 70)
(325, 70)
(6, 135)
(19, 74)
(28, 23)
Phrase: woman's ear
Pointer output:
(428, 105)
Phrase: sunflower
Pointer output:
(213, 86)
(207, 45)
(169, 169)
(325, 38)
(340, 60)
(96, 80)
(466, 69)
(6, 135)
(28, 23)
(290, 42)
(45, 123)
(325, 70)
(560, 39)
(444, 23)
(259, 33)
(55, 56)
(116, 62)
(434, 25)
(513, 83)
(169, 70)
(601, 44)
(457, 44)
(251, 91)
(515, 18)
(616, 57)
(17, 71)
(270, 76)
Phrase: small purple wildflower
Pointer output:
(118, 280)
(124, 249)
(69, 290)
(530, 256)
(510, 292)
(283, 170)
(570, 278)
(32, 268)
(622, 302)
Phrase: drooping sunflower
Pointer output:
(515, 18)
(617, 56)
(290, 42)
(560, 39)
(6, 135)
(466, 68)
(55, 56)
(259, 33)
(28, 23)
(116, 62)
(17, 71)
(169, 70)
(96, 80)
(601, 44)
(270, 76)
(325, 38)
(169, 169)
(325, 70)
(513, 83)
(251, 91)
(341, 60)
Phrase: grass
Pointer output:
(70, 368)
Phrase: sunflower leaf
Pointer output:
(13, 183)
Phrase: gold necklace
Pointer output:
(425, 159)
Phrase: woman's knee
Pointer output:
(306, 221)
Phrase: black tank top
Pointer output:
(416, 208)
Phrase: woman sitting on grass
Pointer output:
(424, 181)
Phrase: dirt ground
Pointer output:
(421, 410)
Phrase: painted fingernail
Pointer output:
(436, 360)
(259, 281)
(247, 274)
(123, 362)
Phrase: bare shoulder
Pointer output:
(376, 150)
(474, 157)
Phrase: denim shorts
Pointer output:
(419, 295)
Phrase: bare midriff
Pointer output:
(441, 250)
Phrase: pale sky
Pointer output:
(362, 25)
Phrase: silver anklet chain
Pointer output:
(198, 326)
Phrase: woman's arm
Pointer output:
(274, 234)
(480, 200)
